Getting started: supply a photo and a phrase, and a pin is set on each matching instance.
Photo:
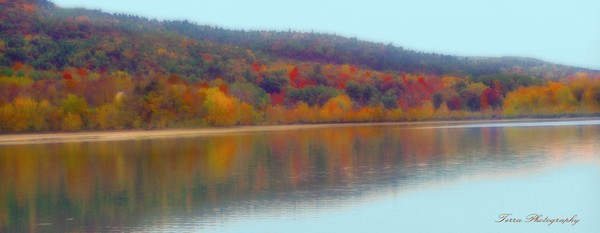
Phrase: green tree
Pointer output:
(437, 100)
(250, 93)
(312, 95)
(74, 111)
(390, 99)
(273, 83)
(316, 75)
(74, 104)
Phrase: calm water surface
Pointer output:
(377, 178)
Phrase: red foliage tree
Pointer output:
(67, 75)
(17, 66)
(224, 88)
(277, 98)
(490, 97)
(82, 72)
(454, 103)
(257, 67)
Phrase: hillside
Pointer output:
(72, 32)
(85, 69)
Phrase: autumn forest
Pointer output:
(76, 69)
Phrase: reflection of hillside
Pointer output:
(584, 137)
(117, 183)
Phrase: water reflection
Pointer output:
(205, 182)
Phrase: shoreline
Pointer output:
(124, 135)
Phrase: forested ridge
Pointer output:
(78, 69)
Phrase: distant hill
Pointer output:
(58, 32)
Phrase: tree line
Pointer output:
(77, 69)
(80, 99)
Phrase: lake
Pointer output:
(434, 177)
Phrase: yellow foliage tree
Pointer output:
(25, 109)
(107, 117)
(425, 111)
(302, 113)
(71, 122)
(335, 108)
(23, 114)
(40, 120)
(553, 99)
(7, 113)
(394, 115)
(275, 114)
(223, 110)
(247, 114)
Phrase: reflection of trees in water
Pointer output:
(115, 183)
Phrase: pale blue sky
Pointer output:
(561, 31)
